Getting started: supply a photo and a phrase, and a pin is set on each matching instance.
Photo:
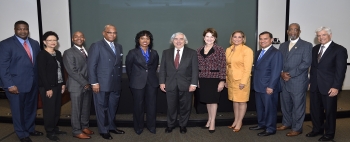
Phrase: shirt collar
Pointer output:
(22, 40)
(267, 48)
(327, 44)
(79, 47)
(109, 43)
(294, 41)
(181, 49)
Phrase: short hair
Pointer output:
(266, 32)
(21, 22)
(294, 24)
(212, 31)
(322, 28)
(175, 34)
(49, 33)
(108, 25)
(143, 33)
(243, 36)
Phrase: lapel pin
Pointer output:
(296, 47)
(121, 54)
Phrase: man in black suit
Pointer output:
(178, 77)
(105, 70)
(328, 67)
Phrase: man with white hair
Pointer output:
(178, 77)
(328, 67)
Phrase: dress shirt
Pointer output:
(109, 43)
(28, 43)
(325, 47)
(82, 47)
(293, 42)
(180, 52)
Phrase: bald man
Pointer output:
(105, 71)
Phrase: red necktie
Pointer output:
(177, 59)
(26, 47)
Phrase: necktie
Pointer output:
(261, 54)
(320, 54)
(177, 59)
(112, 46)
(291, 44)
(82, 51)
(26, 47)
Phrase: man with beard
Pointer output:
(294, 80)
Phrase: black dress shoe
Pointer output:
(52, 137)
(183, 130)
(36, 133)
(117, 131)
(153, 131)
(325, 138)
(138, 131)
(106, 136)
(26, 139)
(169, 129)
(265, 133)
(59, 132)
(256, 128)
(313, 134)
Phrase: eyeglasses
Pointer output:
(51, 40)
(115, 33)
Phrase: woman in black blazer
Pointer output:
(141, 67)
(51, 84)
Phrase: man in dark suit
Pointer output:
(328, 67)
(105, 71)
(74, 60)
(266, 83)
(294, 79)
(19, 79)
(178, 77)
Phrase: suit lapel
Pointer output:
(184, 55)
(172, 59)
(108, 47)
(294, 48)
(140, 55)
(22, 50)
(77, 51)
(326, 53)
(266, 54)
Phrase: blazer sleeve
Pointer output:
(306, 61)
(129, 62)
(162, 69)
(69, 61)
(92, 63)
(5, 61)
(276, 68)
(194, 80)
(42, 70)
(341, 66)
(222, 64)
(247, 65)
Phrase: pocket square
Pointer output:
(121, 54)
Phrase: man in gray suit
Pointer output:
(74, 60)
(178, 77)
(297, 55)
(105, 71)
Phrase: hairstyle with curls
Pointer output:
(322, 28)
(266, 32)
(212, 31)
(143, 33)
(175, 34)
(49, 33)
(243, 37)
(21, 22)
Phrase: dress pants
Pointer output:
(293, 109)
(145, 99)
(321, 106)
(266, 108)
(178, 100)
(80, 116)
(23, 108)
(106, 104)
(51, 108)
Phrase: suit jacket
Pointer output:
(139, 72)
(15, 65)
(296, 62)
(76, 67)
(267, 70)
(184, 76)
(239, 63)
(330, 71)
(214, 64)
(47, 69)
(105, 67)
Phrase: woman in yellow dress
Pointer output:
(239, 62)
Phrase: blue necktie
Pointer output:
(112, 46)
(261, 54)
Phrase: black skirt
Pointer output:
(208, 91)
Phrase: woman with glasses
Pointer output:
(51, 84)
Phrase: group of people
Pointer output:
(25, 71)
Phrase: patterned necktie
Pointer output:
(26, 47)
(320, 54)
(112, 46)
(177, 59)
(82, 51)
(261, 54)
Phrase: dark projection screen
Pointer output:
(163, 18)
